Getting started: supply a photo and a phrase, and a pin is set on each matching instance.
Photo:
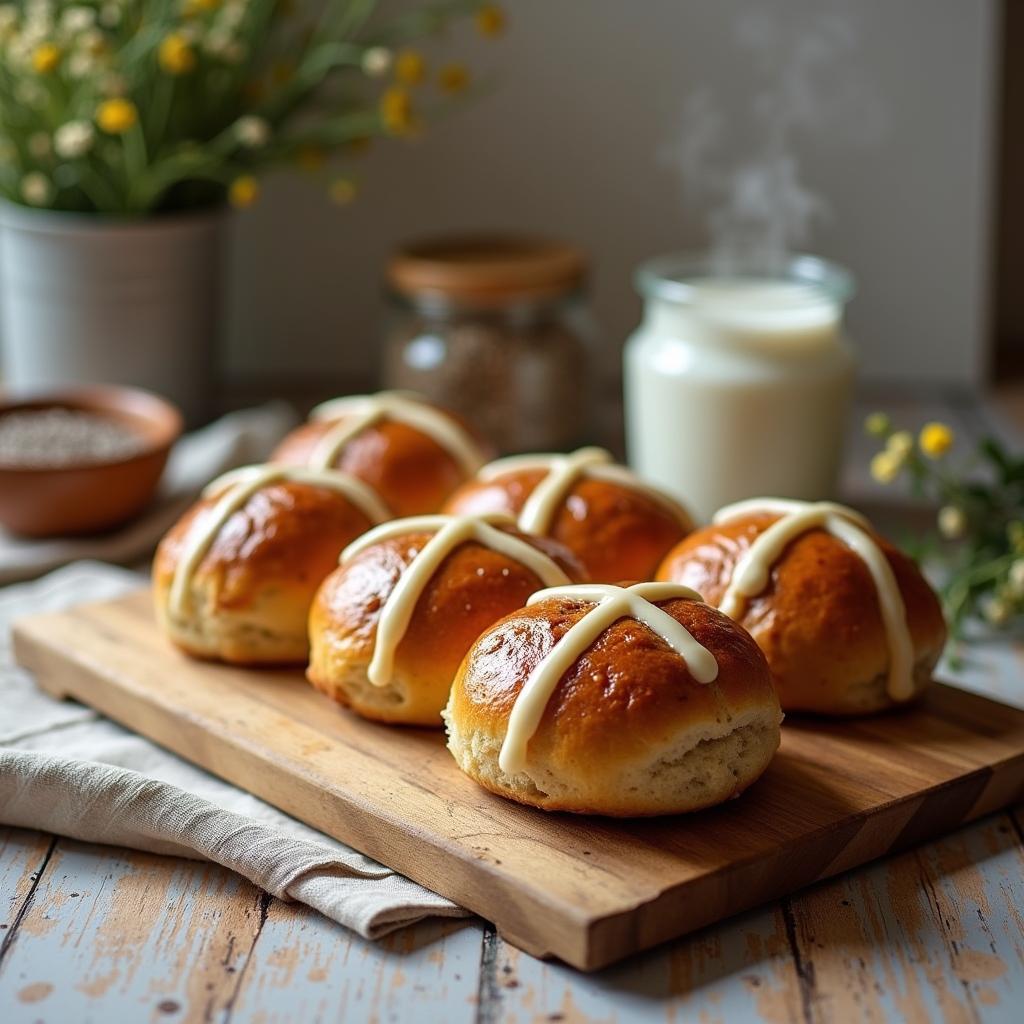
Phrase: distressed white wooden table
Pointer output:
(91, 933)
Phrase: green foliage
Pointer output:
(979, 542)
(135, 106)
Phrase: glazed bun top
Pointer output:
(412, 453)
(260, 523)
(619, 526)
(820, 573)
(426, 575)
(581, 664)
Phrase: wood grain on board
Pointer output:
(587, 891)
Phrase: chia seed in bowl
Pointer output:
(83, 460)
(51, 438)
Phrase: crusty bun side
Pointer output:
(628, 731)
(411, 472)
(616, 532)
(248, 601)
(818, 620)
(472, 588)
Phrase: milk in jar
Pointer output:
(738, 385)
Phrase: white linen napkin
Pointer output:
(65, 769)
(235, 439)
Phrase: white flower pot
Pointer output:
(87, 299)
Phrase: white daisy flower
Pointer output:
(36, 189)
(19, 50)
(216, 42)
(952, 522)
(1016, 577)
(73, 139)
(77, 19)
(377, 61)
(996, 611)
(231, 14)
(252, 131)
(81, 64)
(38, 19)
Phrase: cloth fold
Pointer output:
(99, 803)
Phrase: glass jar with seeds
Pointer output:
(494, 328)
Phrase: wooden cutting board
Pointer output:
(586, 890)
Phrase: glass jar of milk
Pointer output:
(738, 385)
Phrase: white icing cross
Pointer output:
(449, 532)
(356, 413)
(563, 471)
(234, 489)
(753, 570)
(611, 603)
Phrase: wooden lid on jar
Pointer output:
(486, 270)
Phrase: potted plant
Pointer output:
(129, 127)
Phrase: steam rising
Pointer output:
(807, 82)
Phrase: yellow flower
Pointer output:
(396, 110)
(453, 78)
(878, 424)
(935, 439)
(490, 20)
(900, 444)
(115, 116)
(410, 67)
(243, 192)
(342, 191)
(176, 55)
(885, 467)
(45, 58)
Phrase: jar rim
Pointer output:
(674, 276)
(487, 269)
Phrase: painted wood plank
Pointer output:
(306, 968)
(115, 934)
(23, 857)
(737, 971)
(586, 890)
(935, 934)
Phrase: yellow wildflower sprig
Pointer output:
(147, 100)
(979, 540)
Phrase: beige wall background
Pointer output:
(580, 138)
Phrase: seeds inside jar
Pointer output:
(52, 438)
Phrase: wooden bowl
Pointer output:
(80, 499)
